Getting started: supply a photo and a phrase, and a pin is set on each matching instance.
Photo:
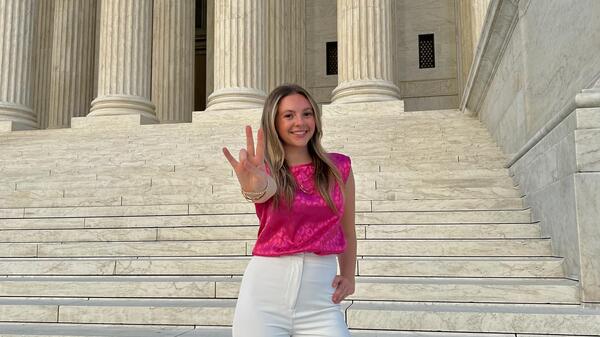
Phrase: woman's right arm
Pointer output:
(250, 169)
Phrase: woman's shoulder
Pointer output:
(343, 163)
(338, 157)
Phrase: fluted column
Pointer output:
(42, 58)
(125, 60)
(478, 13)
(286, 42)
(173, 60)
(239, 55)
(72, 72)
(365, 68)
(16, 41)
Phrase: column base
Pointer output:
(363, 91)
(108, 122)
(121, 105)
(235, 99)
(15, 117)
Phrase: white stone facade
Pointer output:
(512, 63)
(115, 57)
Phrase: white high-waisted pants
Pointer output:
(289, 296)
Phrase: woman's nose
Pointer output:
(298, 120)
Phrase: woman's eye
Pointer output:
(308, 113)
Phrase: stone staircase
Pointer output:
(141, 231)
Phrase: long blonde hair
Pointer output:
(325, 169)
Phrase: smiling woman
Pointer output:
(304, 199)
(295, 127)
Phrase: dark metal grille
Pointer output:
(332, 58)
(426, 51)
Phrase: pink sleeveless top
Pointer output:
(310, 226)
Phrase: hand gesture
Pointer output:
(250, 168)
(343, 286)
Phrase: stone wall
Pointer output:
(421, 89)
(321, 27)
(431, 88)
(527, 74)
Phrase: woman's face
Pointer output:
(295, 121)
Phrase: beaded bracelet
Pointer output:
(253, 196)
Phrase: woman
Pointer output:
(304, 199)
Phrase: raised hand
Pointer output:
(250, 168)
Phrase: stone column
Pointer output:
(365, 68)
(72, 73)
(125, 60)
(239, 55)
(16, 41)
(42, 57)
(479, 11)
(285, 52)
(173, 60)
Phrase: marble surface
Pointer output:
(462, 231)
(522, 216)
(488, 247)
(190, 266)
(447, 204)
(161, 248)
(74, 235)
(83, 287)
(588, 150)
(461, 267)
(475, 318)
(588, 216)
(218, 312)
(56, 267)
(62, 212)
(588, 118)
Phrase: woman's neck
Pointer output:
(295, 156)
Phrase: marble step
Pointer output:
(97, 330)
(398, 247)
(548, 267)
(416, 191)
(440, 150)
(362, 218)
(249, 232)
(367, 288)
(452, 231)
(455, 317)
(498, 318)
(104, 330)
(217, 166)
(119, 311)
(230, 196)
(245, 207)
(363, 180)
(31, 200)
(367, 189)
(216, 157)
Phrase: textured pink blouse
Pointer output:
(310, 226)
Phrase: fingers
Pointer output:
(343, 288)
(260, 146)
(249, 141)
(336, 281)
(338, 295)
(229, 157)
(243, 156)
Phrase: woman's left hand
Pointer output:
(344, 287)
